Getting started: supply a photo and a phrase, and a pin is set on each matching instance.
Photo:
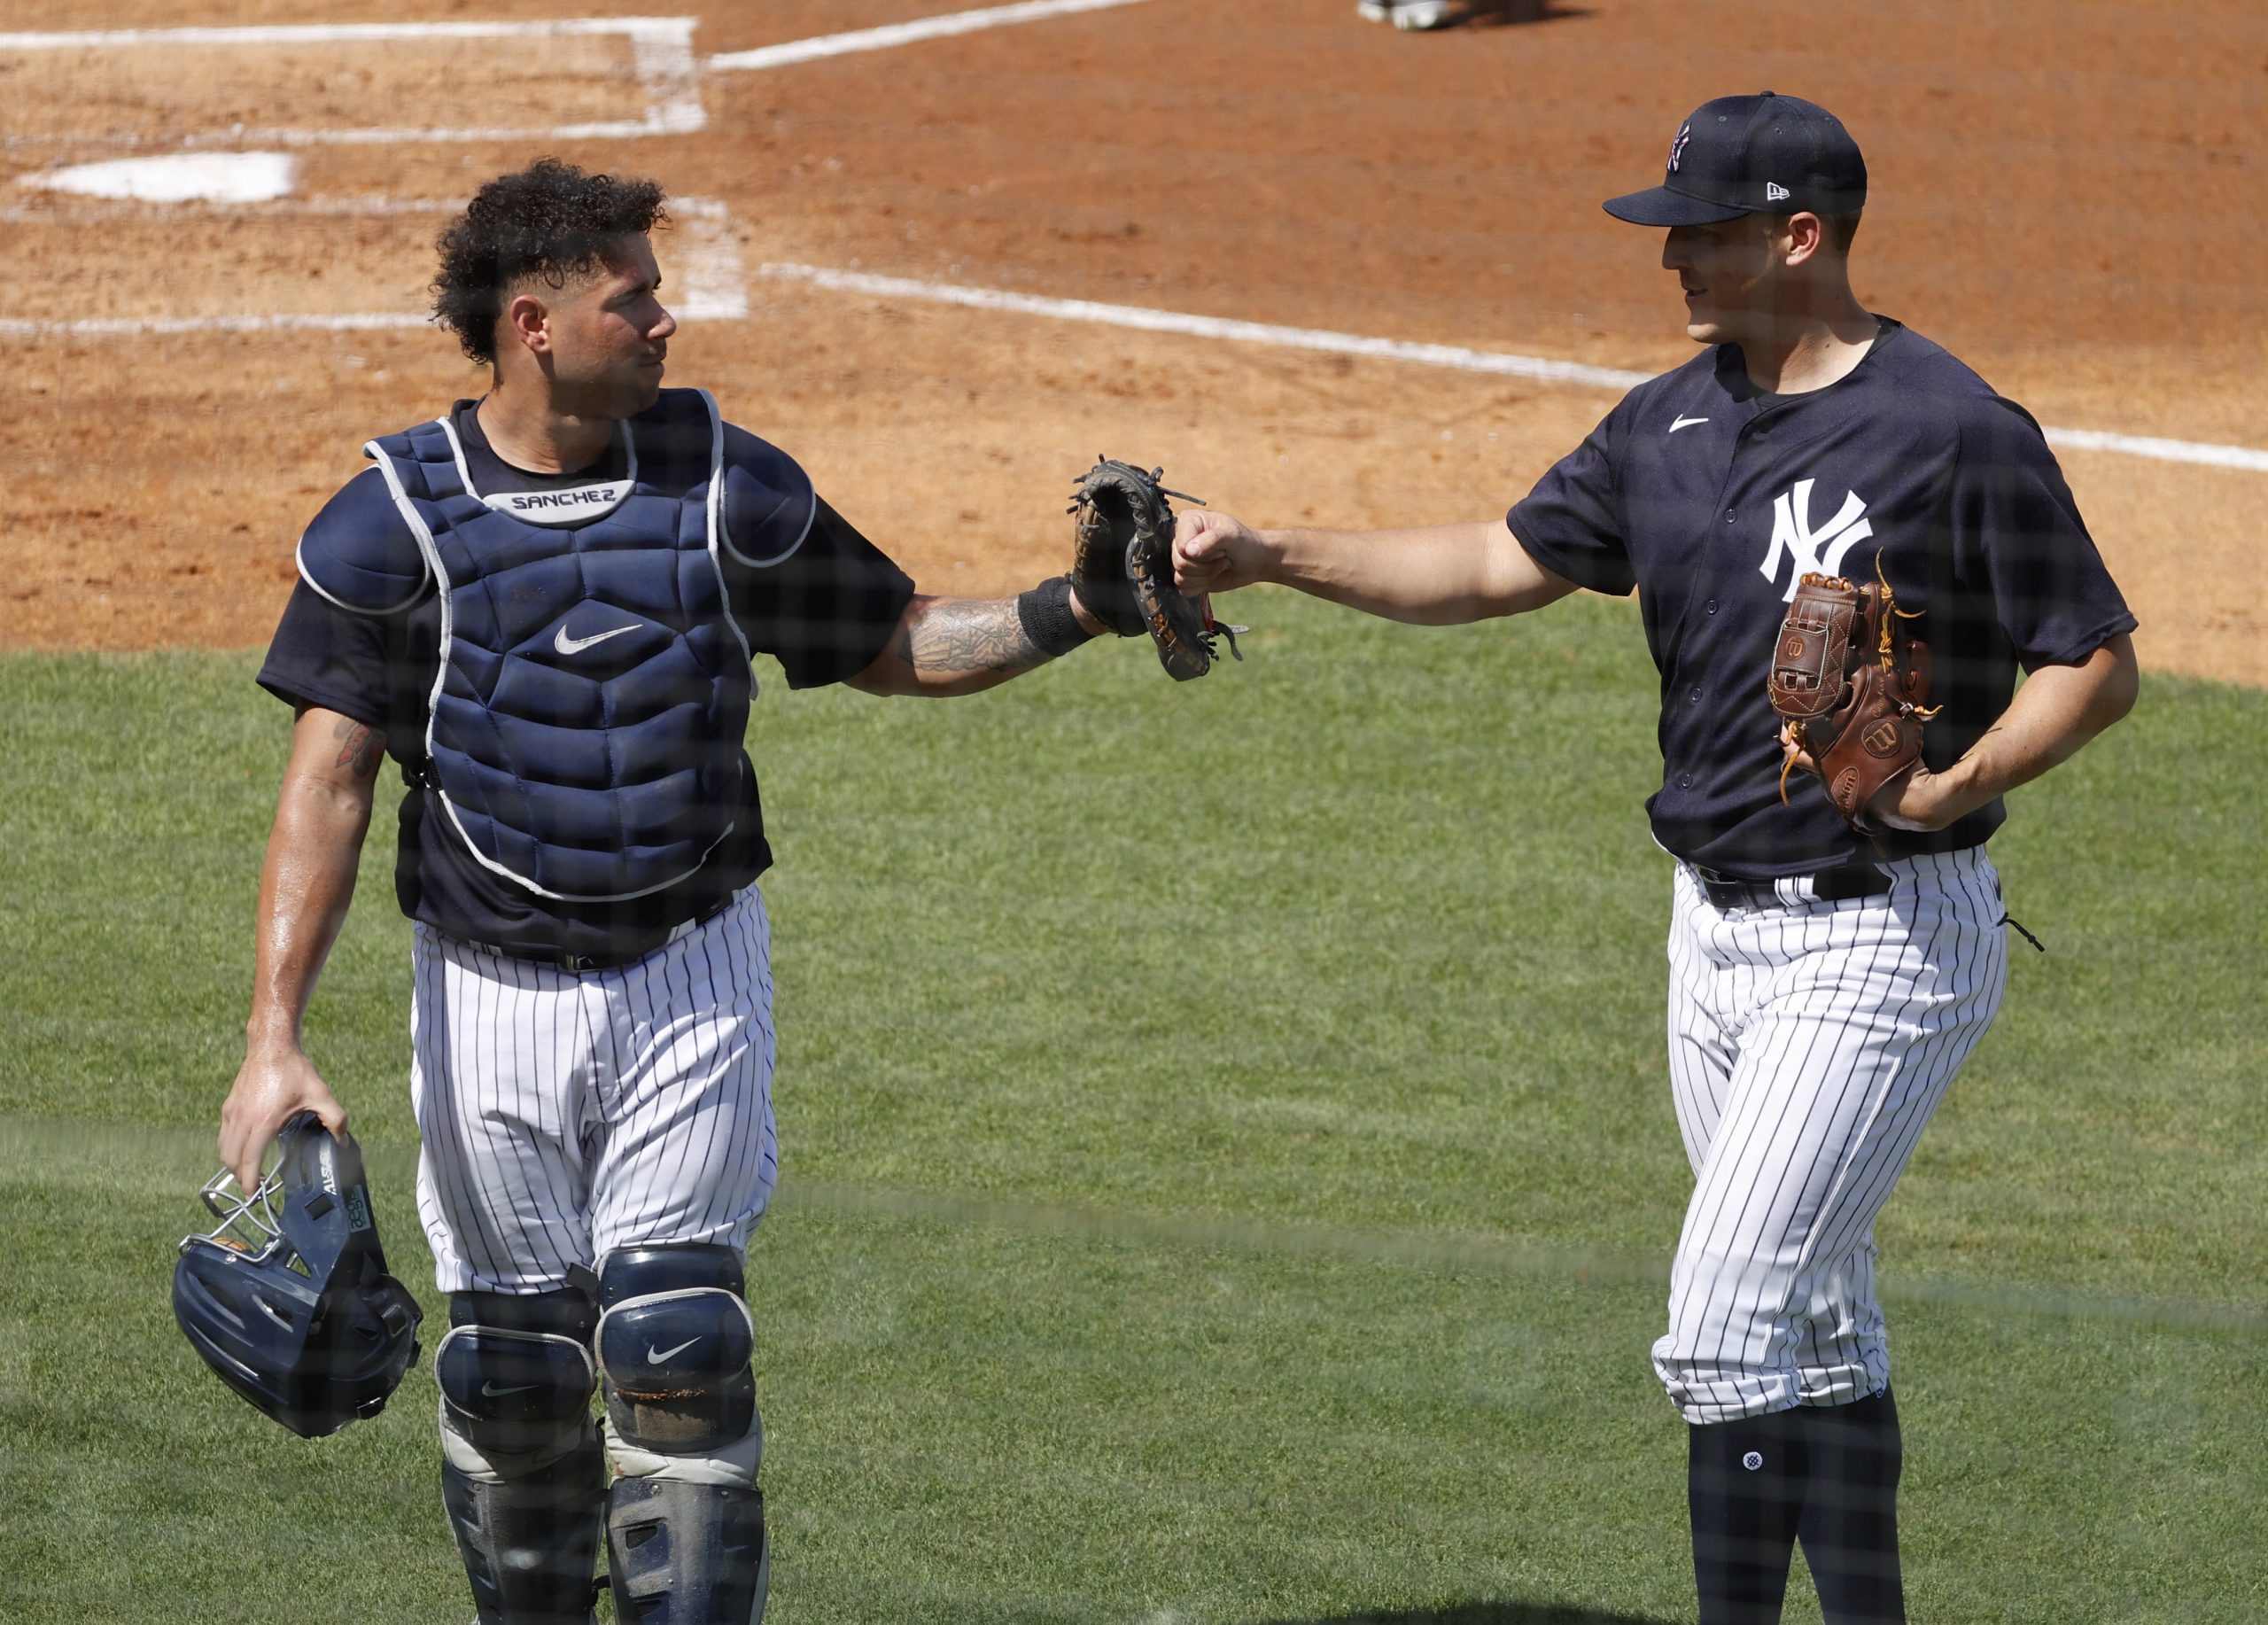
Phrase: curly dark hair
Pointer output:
(549, 220)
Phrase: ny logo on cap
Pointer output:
(1677, 145)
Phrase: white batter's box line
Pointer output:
(712, 285)
(1542, 368)
(661, 56)
(905, 33)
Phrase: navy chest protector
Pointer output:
(593, 686)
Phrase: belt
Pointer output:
(629, 951)
(1856, 879)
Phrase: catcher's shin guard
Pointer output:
(684, 1519)
(523, 1474)
(530, 1544)
(686, 1554)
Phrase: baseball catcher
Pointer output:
(1123, 571)
(1851, 687)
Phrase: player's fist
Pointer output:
(274, 1082)
(1214, 552)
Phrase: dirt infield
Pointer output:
(2084, 231)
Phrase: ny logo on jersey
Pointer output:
(1821, 550)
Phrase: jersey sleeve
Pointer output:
(825, 609)
(1571, 523)
(2018, 531)
(325, 656)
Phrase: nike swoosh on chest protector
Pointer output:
(1686, 422)
(566, 645)
(657, 1356)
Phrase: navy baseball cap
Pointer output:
(1753, 155)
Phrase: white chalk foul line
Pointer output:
(905, 33)
(2164, 451)
(1146, 320)
(1150, 321)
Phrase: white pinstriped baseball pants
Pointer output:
(563, 1115)
(1809, 1043)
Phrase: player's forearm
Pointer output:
(306, 888)
(952, 646)
(1440, 575)
(2055, 712)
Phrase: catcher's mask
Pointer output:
(288, 1297)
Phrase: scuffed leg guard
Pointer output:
(1850, 1518)
(686, 1554)
(684, 1519)
(530, 1544)
(1744, 1484)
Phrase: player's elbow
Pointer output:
(2121, 685)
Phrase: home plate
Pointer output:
(213, 177)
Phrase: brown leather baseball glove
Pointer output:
(1852, 688)
(1123, 570)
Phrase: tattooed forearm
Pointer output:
(360, 749)
(962, 637)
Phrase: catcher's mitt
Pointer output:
(1123, 567)
(1852, 688)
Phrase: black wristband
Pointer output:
(1048, 621)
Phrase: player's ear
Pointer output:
(1800, 237)
(526, 321)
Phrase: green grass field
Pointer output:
(1257, 1215)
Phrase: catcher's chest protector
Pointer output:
(593, 687)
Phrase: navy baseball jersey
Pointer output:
(824, 607)
(1710, 498)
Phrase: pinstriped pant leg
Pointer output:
(688, 1150)
(1702, 1049)
(1856, 1018)
(500, 1078)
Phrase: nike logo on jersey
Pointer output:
(1686, 422)
(489, 1390)
(657, 1356)
(566, 645)
(1811, 552)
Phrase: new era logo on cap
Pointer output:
(1748, 155)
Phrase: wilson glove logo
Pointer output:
(1811, 551)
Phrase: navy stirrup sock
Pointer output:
(1849, 1525)
(1744, 1485)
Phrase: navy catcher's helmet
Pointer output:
(288, 1298)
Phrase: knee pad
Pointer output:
(674, 1341)
(516, 1376)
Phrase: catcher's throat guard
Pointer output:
(288, 1299)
